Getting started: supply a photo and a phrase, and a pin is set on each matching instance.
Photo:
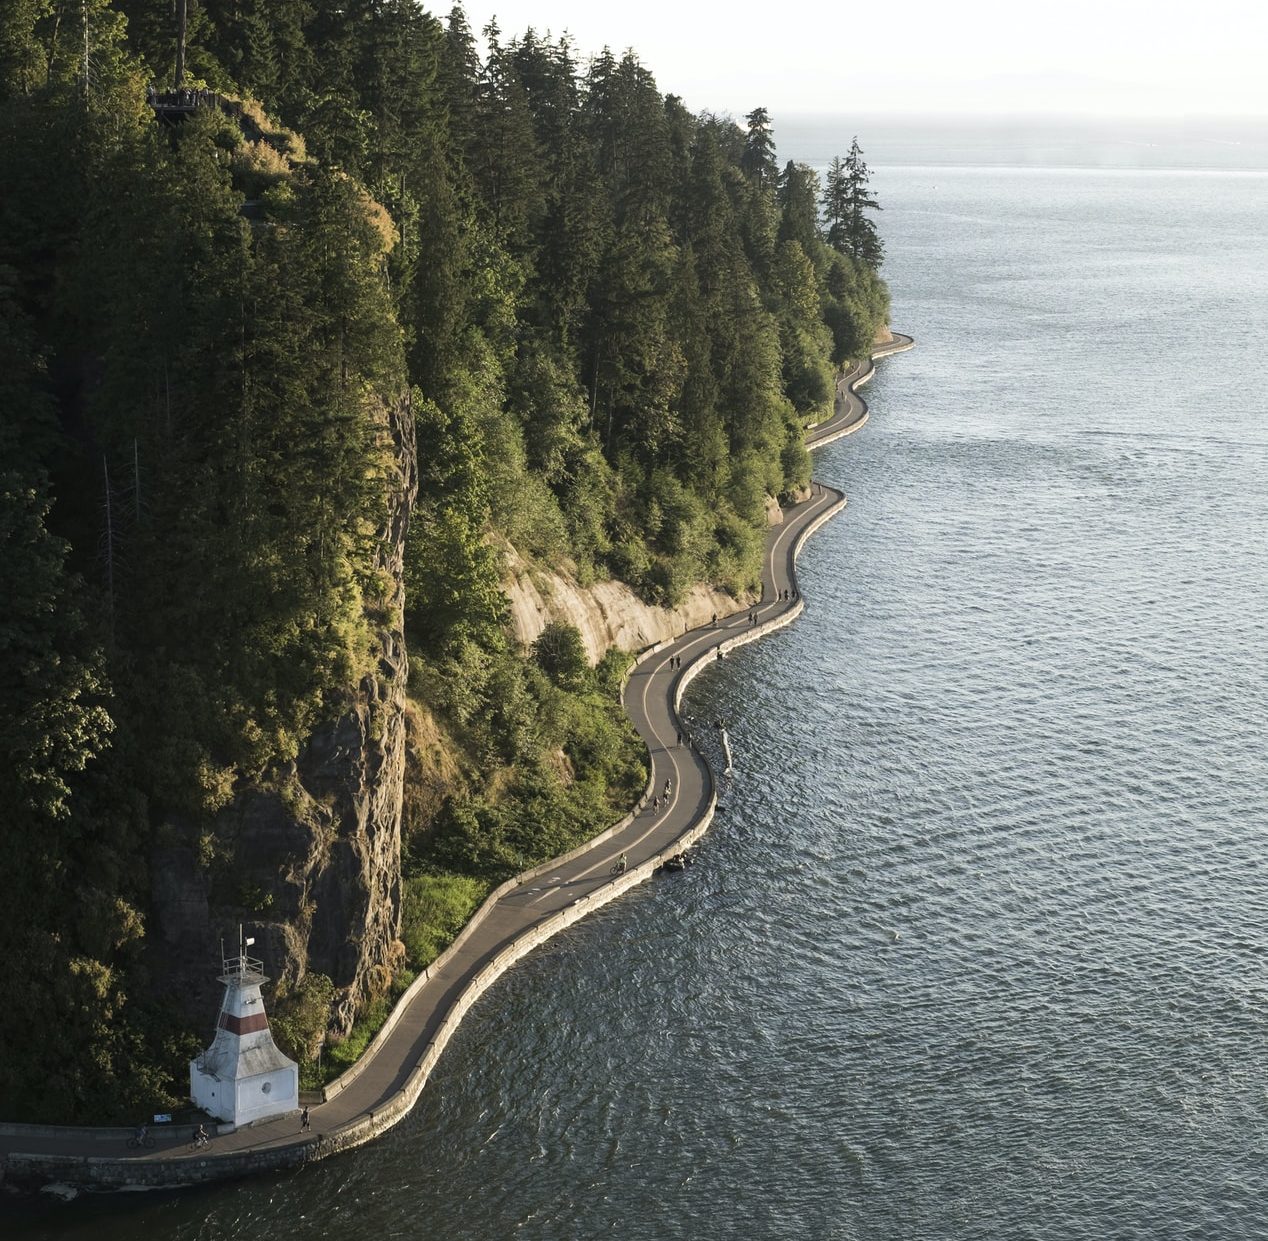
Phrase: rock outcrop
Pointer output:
(606, 613)
(315, 859)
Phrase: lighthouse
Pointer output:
(243, 1077)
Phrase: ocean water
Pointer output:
(977, 947)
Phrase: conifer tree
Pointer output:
(799, 207)
(846, 200)
(759, 149)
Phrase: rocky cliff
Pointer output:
(313, 864)
(606, 613)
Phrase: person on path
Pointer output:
(668, 787)
(680, 736)
(655, 805)
(715, 620)
(303, 1119)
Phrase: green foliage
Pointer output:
(434, 908)
(558, 760)
(562, 655)
(298, 1016)
(846, 200)
(341, 1054)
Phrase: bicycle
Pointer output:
(145, 1140)
(618, 867)
(201, 1142)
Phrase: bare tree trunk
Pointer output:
(105, 469)
(182, 16)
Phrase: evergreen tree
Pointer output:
(759, 149)
(460, 78)
(799, 207)
(506, 157)
(846, 200)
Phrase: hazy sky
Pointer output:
(1078, 56)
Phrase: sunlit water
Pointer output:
(978, 946)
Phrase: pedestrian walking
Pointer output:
(715, 620)
(303, 1120)
(680, 736)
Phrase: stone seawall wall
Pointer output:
(94, 1172)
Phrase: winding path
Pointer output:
(519, 915)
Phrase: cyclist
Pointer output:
(621, 863)
(138, 1134)
(201, 1137)
(668, 786)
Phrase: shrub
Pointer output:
(434, 909)
(562, 655)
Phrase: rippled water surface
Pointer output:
(977, 947)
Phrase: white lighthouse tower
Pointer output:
(243, 1076)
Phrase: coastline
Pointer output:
(384, 1084)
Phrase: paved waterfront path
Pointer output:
(385, 1083)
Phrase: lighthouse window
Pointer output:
(267, 1087)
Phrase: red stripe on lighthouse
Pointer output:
(243, 1025)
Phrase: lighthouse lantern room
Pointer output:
(243, 1077)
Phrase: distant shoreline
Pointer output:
(1225, 145)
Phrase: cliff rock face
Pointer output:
(606, 613)
(315, 860)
